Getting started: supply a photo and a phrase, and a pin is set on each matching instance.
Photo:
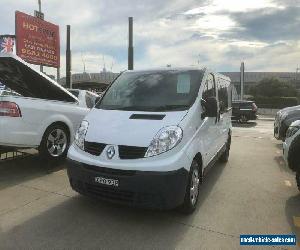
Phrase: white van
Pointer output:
(152, 137)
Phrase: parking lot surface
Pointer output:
(254, 193)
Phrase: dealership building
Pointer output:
(91, 81)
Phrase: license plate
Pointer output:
(108, 182)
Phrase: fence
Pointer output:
(9, 154)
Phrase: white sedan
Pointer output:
(44, 116)
(291, 149)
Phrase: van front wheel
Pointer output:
(192, 189)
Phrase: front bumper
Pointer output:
(162, 190)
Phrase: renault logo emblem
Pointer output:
(110, 152)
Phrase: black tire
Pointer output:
(189, 203)
(243, 119)
(225, 156)
(60, 144)
(298, 180)
(293, 156)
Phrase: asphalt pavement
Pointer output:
(254, 193)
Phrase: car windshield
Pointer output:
(167, 90)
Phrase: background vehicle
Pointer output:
(161, 130)
(244, 111)
(291, 149)
(8, 92)
(44, 115)
(86, 98)
(284, 119)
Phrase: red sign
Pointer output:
(37, 41)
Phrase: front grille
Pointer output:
(109, 171)
(131, 152)
(110, 193)
(93, 148)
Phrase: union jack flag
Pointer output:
(7, 44)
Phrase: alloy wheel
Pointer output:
(57, 142)
(194, 187)
(243, 118)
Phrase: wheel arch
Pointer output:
(293, 155)
(64, 124)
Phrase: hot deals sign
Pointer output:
(37, 41)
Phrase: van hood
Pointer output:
(21, 77)
(130, 128)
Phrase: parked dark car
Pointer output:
(283, 120)
(244, 111)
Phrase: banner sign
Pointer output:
(7, 43)
(37, 40)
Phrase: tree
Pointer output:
(272, 87)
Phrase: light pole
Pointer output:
(41, 17)
(130, 43)
(242, 78)
(68, 59)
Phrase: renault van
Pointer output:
(152, 137)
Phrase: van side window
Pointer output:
(223, 86)
(209, 87)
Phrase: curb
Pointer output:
(266, 119)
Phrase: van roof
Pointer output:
(159, 69)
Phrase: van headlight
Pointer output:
(166, 139)
(80, 134)
(291, 131)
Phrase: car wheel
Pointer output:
(298, 180)
(192, 189)
(293, 155)
(55, 143)
(243, 119)
(225, 156)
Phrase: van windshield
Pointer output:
(167, 90)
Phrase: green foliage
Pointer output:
(272, 87)
(274, 102)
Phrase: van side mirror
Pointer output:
(210, 106)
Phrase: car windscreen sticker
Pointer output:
(183, 84)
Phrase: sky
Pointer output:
(218, 34)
